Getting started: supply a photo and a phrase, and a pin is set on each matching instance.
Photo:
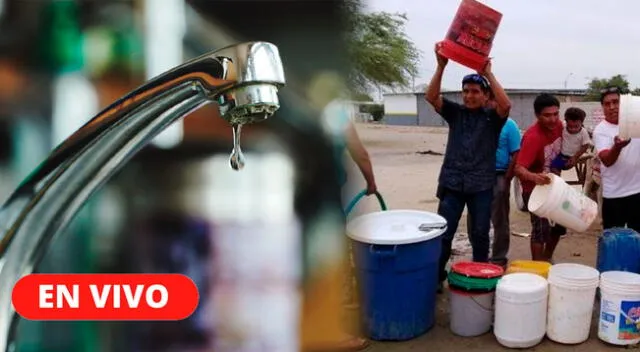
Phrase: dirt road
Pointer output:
(406, 162)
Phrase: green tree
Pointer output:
(636, 91)
(597, 84)
(377, 111)
(380, 52)
(361, 97)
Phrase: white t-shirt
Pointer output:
(571, 143)
(621, 179)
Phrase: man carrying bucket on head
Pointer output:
(620, 167)
(541, 144)
(468, 173)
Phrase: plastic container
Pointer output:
(471, 312)
(572, 291)
(619, 308)
(470, 36)
(397, 265)
(619, 250)
(529, 266)
(471, 276)
(563, 204)
(629, 122)
(471, 294)
(520, 310)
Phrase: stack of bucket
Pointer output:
(471, 294)
(572, 291)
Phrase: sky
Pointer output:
(539, 44)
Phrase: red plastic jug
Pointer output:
(471, 34)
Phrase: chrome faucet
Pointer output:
(242, 79)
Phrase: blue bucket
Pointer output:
(397, 271)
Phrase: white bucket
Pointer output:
(563, 204)
(572, 292)
(629, 117)
(471, 313)
(619, 308)
(521, 310)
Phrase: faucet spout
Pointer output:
(242, 79)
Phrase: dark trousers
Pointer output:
(621, 212)
(500, 209)
(478, 205)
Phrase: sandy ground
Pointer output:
(407, 179)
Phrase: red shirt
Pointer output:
(539, 147)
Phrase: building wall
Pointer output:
(400, 104)
(400, 120)
(521, 109)
(400, 109)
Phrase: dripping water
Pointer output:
(237, 158)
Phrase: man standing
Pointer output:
(508, 147)
(468, 173)
(620, 168)
(541, 144)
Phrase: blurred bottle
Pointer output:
(237, 234)
(73, 102)
(75, 99)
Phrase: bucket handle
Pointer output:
(480, 305)
(359, 196)
(373, 249)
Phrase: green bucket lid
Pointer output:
(472, 283)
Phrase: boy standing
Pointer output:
(541, 144)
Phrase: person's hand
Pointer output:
(486, 71)
(509, 176)
(620, 143)
(571, 163)
(541, 179)
(371, 188)
(442, 61)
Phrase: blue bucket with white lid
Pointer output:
(396, 254)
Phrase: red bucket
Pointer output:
(471, 34)
(477, 270)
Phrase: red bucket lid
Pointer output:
(479, 270)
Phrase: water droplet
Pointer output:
(237, 158)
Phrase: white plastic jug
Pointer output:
(563, 204)
(521, 310)
(629, 121)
